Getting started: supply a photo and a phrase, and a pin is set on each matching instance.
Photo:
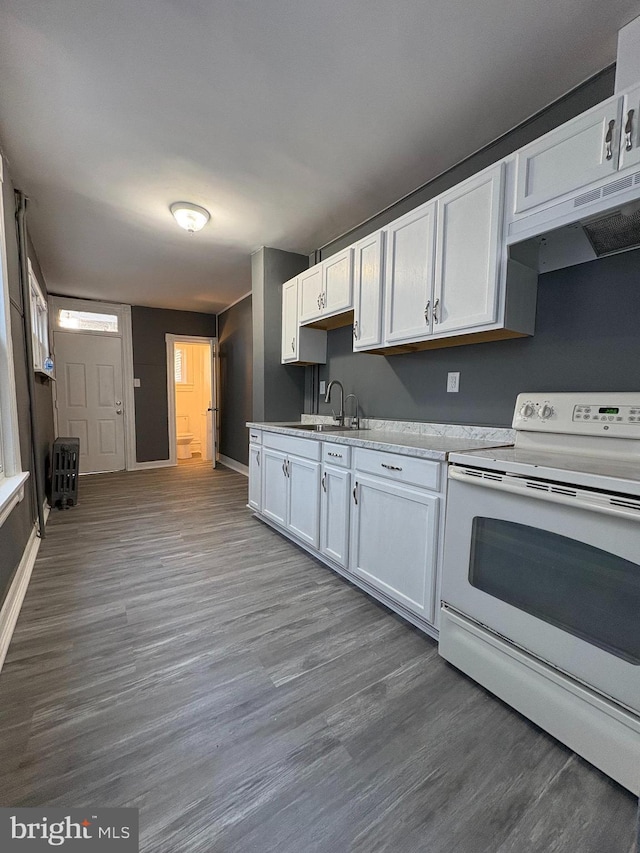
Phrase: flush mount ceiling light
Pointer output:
(191, 217)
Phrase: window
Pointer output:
(39, 324)
(11, 477)
(180, 364)
(87, 321)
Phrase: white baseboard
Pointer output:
(17, 591)
(155, 463)
(235, 466)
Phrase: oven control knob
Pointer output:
(527, 411)
(545, 411)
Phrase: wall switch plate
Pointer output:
(323, 386)
(136, 383)
(453, 383)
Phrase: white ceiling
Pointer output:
(290, 120)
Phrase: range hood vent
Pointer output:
(615, 232)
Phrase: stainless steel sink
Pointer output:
(322, 427)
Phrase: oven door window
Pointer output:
(583, 590)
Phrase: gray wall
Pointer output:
(585, 327)
(16, 530)
(278, 390)
(587, 338)
(236, 379)
(149, 327)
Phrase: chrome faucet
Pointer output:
(339, 418)
(354, 422)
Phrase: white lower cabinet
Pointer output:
(373, 514)
(291, 493)
(394, 539)
(334, 514)
(255, 477)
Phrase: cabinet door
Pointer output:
(310, 290)
(569, 158)
(304, 499)
(334, 514)
(274, 486)
(255, 477)
(394, 541)
(290, 321)
(409, 245)
(368, 282)
(337, 282)
(468, 253)
(630, 130)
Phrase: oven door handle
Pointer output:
(597, 503)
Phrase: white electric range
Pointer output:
(541, 576)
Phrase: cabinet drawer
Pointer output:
(402, 469)
(307, 448)
(336, 454)
(255, 436)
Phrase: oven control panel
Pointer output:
(616, 415)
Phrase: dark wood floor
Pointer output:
(176, 655)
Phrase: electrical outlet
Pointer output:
(453, 383)
(323, 386)
(136, 383)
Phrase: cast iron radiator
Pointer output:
(64, 472)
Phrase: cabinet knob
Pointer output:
(628, 130)
(608, 140)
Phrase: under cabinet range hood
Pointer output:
(615, 231)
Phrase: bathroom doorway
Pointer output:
(192, 394)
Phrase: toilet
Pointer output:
(183, 438)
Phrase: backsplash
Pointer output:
(423, 428)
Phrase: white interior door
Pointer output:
(89, 397)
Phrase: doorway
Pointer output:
(192, 395)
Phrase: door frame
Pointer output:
(171, 340)
(126, 336)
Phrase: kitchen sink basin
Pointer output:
(322, 427)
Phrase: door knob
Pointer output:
(118, 411)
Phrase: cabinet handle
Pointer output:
(628, 130)
(609, 140)
(293, 344)
(258, 458)
(337, 455)
(319, 299)
(436, 305)
(288, 469)
(355, 330)
(324, 482)
(324, 300)
(426, 312)
(355, 494)
(390, 467)
(284, 468)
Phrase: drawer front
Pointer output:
(402, 469)
(255, 436)
(336, 454)
(307, 448)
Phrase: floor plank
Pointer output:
(176, 655)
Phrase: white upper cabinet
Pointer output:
(630, 135)
(290, 321)
(368, 292)
(573, 156)
(311, 284)
(468, 249)
(299, 345)
(409, 274)
(337, 283)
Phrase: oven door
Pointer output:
(553, 569)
